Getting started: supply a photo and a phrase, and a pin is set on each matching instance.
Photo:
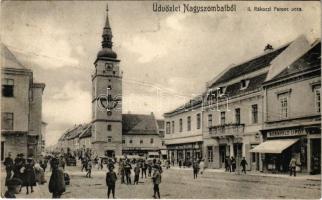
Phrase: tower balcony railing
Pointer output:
(226, 130)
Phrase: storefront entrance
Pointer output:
(222, 156)
(316, 156)
(110, 153)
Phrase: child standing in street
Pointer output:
(89, 169)
(110, 182)
(156, 178)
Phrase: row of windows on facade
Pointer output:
(141, 141)
(284, 113)
(210, 120)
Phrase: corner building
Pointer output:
(107, 80)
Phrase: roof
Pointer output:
(87, 131)
(160, 123)
(249, 66)
(196, 101)
(311, 59)
(8, 59)
(255, 83)
(139, 124)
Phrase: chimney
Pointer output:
(268, 47)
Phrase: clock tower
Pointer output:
(107, 99)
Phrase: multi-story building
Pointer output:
(140, 135)
(233, 107)
(183, 132)
(292, 110)
(21, 108)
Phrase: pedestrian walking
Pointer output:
(292, 166)
(13, 188)
(8, 163)
(89, 169)
(40, 175)
(144, 168)
(202, 166)
(195, 167)
(136, 174)
(110, 182)
(127, 169)
(233, 164)
(229, 168)
(156, 179)
(62, 162)
(243, 163)
(149, 166)
(29, 175)
(84, 163)
(121, 170)
(56, 184)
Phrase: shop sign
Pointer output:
(285, 133)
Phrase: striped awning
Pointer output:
(274, 146)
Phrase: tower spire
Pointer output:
(107, 33)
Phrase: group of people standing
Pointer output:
(141, 167)
(231, 164)
(27, 170)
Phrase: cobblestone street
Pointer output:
(179, 183)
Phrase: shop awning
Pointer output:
(274, 146)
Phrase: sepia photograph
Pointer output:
(160, 99)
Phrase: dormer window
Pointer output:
(221, 90)
(244, 84)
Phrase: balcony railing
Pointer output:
(226, 130)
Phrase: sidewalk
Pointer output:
(257, 173)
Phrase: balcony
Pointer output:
(226, 130)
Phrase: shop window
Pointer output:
(222, 117)
(210, 120)
(172, 126)
(283, 107)
(237, 115)
(188, 123)
(254, 114)
(7, 121)
(180, 125)
(198, 121)
(167, 128)
(7, 87)
(109, 127)
(151, 141)
(317, 100)
(210, 154)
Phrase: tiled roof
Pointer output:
(87, 131)
(255, 83)
(138, 124)
(250, 66)
(192, 103)
(311, 59)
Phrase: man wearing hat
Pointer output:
(56, 184)
(110, 181)
(8, 162)
(14, 187)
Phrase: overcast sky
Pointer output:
(166, 58)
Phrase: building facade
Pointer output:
(21, 108)
(140, 135)
(183, 133)
(233, 111)
(106, 99)
(292, 126)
